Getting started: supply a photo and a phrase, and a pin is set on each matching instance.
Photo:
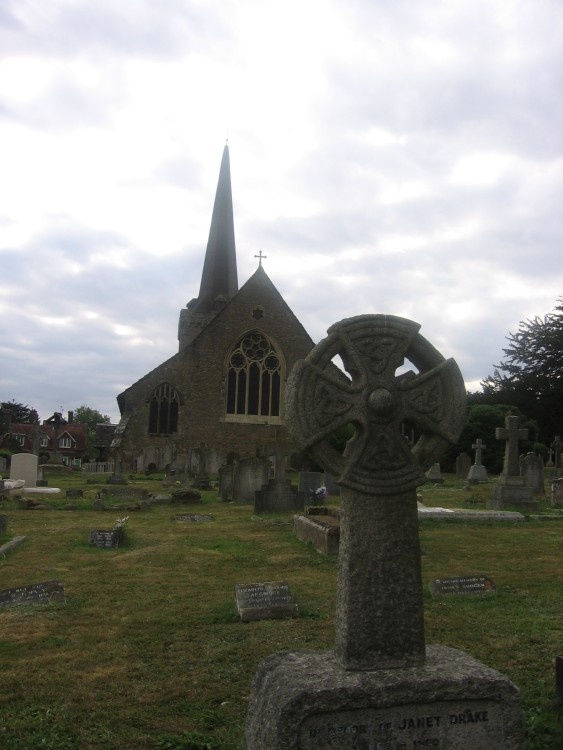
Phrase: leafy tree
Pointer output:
(531, 374)
(90, 417)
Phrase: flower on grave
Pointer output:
(121, 523)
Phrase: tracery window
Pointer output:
(254, 378)
(163, 410)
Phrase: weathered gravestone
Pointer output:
(252, 474)
(104, 539)
(462, 585)
(380, 688)
(557, 492)
(24, 466)
(34, 593)
(462, 465)
(434, 474)
(532, 469)
(511, 489)
(265, 601)
(309, 481)
(279, 495)
(556, 445)
(478, 473)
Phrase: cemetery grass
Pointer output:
(148, 653)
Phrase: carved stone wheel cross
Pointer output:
(321, 399)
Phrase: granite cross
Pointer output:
(512, 434)
(479, 448)
(379, 612)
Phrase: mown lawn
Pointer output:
(148, 652)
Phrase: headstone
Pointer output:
(532, 470)
(3, 523)
(556, 445)
(252, 475)
(559, 678)
(309, 481)
(434, 474)
(511, 490)
(24, 466)
(478, 473)
(3, 464)
(74, 493)
(35, 593)
(265, 601)
(226, 481)
(557, 493)
(279, 495)
(462, 465)
(104, 539)
(549, 464)
(380, 689)
(462, 585)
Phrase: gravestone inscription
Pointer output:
(380, 688)
(462, 585)
(104, 539)
(46, 592)
(265, 601)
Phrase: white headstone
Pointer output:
(24, 466)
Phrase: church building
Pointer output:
(220, 399)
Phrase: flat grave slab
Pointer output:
(104, 539)
(46, 592)
(194, 517)
(462, 585)
(265, 601)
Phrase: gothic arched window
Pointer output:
(163, 410)
(254, 379)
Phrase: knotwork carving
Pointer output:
(321, 398)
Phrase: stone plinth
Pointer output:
(323, 533)
(307, 701)
(512, 492)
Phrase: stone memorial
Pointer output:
(556, 445)
(380, 688)
(532, 469)
(24, 466)
(462, 465)
(252, 474)
(511, 490)
(434, 474)
(279, 495)
(46, 592)
(462, 585)
(194, 517)
(557, 492)
(265, 601)
(104, 539)
(478, 473)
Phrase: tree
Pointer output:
(19, 413)
(531, 374)
(90, 417)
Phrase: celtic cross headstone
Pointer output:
(380, 688)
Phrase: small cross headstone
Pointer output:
(556, 445)
(478, 473)
(381, 688)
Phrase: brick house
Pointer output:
(56, 440)
(221, 397)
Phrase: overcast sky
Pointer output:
(400, 157)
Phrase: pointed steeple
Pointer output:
(219, 276)
(219, 282)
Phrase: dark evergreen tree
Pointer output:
(531, 373)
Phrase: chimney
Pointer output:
(70, 419)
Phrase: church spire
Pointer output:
(219, 276)
(219, 282)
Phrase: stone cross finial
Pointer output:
(512, 434)
(479, 448)
(379, 613)
(260, 256)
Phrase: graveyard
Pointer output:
(147, 650)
